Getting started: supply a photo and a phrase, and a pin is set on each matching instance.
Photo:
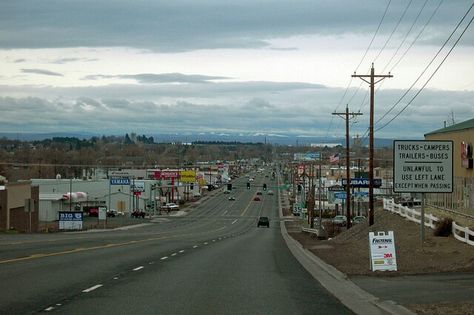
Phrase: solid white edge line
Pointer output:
(138, 268)
(92, 288)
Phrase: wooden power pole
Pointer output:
(371, 83)
(348, 170)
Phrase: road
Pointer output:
(213, 261)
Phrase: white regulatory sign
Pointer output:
(382, 251)
(422, 166)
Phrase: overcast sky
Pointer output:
(277, 67)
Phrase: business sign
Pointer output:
(188, 176)
(382, 251)
(466, 155)
(166, 174)
(423, 166)
(308, 156)
(102, 213)
(363, 182)
(137, 186)
(336, 188)
(70, 220)
(340, 195)
(120, 181)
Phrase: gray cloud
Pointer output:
(172, 26)
(160, 78)
(222, 107)
(41, 71)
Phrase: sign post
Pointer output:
(422, 167)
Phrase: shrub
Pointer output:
(443, 227)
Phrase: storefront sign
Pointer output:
(363, 182)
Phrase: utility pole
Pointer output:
(371, 83)
(348, 170)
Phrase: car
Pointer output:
(256, 198)
(171, 206)
(259, 193)
(340, 220)
(112, 213)
(232, 198)
(93, 212)
(358, 219)
(270, 192)
(138, 214)
(263, 221)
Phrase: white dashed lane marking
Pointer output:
(163, 258)
(92, 288)
(138, 268)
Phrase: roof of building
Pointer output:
(468, 124)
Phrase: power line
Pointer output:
(432, 75)
(418, 35)
(426, 68)
(406, 35)
(393, 31)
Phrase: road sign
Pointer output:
(423, 166)
(120, 181)
(382, 251)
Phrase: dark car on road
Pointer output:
(263, 221)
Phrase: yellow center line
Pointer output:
(84, 249)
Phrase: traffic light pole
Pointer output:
(371, 83)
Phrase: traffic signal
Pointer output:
(248, 185)
(264, 186)
(229, 186)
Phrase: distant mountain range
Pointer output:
(287, 139)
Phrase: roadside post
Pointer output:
(422, 167)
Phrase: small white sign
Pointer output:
(138, 186)
(422, 166)
(102, 213)
(382, 251)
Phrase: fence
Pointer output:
(463, 234)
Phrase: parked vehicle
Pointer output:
(359, 219)
(171, 206)
(112, 213)
(138, 214)
(256, 198)
(93, 212)
(340, 220)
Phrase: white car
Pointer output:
(171, 206)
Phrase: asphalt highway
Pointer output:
(212, 261)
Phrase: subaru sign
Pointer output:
(363, 182)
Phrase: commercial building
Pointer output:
(462, 198)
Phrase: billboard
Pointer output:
(187, 176)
